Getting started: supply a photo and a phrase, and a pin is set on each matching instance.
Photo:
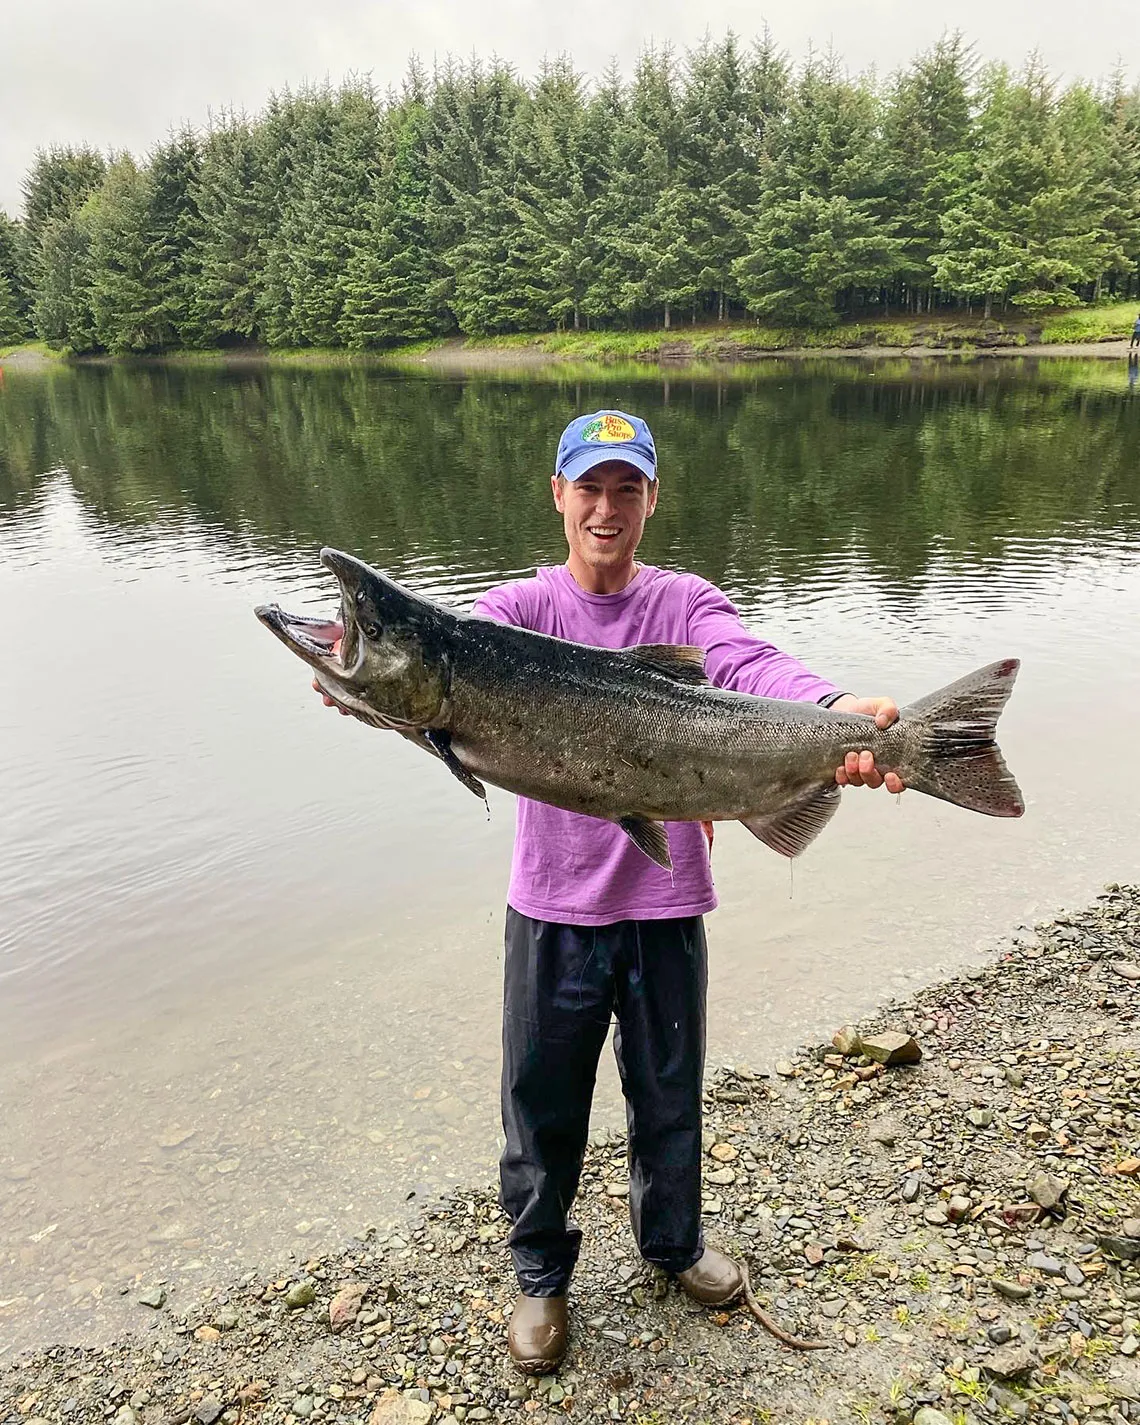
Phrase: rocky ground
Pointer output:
(964, 1232)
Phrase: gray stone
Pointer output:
(209, 1410)
(1042, 1262)
(980, 1117)
(1126, 1248)
(929, 1416)
(1009, 1362)
(154, 1296)
(1047, 1191)
(1012, 1291)
(910, 1188)
(1000, 1333)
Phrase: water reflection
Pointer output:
(248, 951)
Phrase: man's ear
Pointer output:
(652, 500)
(556, 484)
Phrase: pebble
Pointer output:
(301, 1294)
(1012, 1291)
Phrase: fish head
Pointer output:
(385, 659)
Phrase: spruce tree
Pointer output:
(225, 254)
(821, 237)
(119, 276)
(173, 236)
(391, 271)
(62, 311)
(926, 137)
(14, 272)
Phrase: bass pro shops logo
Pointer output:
(609, 430)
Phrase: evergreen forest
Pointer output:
(724, 184)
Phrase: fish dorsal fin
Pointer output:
(679, 661)
(650, 837)
(794, 827)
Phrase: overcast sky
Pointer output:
(120, 73)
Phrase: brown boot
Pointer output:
(713, 1279)
(537, 1335)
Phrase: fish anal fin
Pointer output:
(440, 743)
(682, 662)
(794, 827)
(650, 837)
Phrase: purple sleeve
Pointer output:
(504, 604)
(739, 661)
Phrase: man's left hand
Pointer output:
(858, 769)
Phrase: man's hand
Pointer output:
(331, 702)
(859, 768)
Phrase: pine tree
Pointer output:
(173, 235)
(57, 185)
(62, 310)
(926, 137)
(120, 279)
(225, 255)
(1025, 231)
(633, 274)
(470, 214)
(821, 236)
(392, 271)
(13, 271)
(13, 326)
(563, 166)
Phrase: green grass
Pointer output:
(38, 348)
(1105, 323)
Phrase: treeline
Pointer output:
(473, 202)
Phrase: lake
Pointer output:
(250, 951)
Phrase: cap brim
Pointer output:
(576, 467)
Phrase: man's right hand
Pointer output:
(332, 702)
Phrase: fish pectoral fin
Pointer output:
(794, 827)
(440, 743)
(680, 661)
(650, 837)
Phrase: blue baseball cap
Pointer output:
(605, 435)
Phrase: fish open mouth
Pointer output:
(318, 641)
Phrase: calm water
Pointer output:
(249, 951)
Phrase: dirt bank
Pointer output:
(460, 355)
(963, 1233)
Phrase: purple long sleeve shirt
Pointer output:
(579, 870)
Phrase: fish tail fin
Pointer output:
(958, 758)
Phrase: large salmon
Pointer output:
(635, 736)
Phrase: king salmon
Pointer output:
(636, 736)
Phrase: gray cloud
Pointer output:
(121, 73)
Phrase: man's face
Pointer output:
(604, 513)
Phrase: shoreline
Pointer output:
(459, 355)
(964, 1233)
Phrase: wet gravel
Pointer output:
(964, 1231)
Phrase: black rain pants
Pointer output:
(562, 985)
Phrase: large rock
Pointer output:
(395, 1409)
(345, 1305)
(1010, 1362)
(891, 1047)
(1048, 1192)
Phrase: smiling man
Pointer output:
(596, 930)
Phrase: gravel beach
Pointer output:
(963, 1231)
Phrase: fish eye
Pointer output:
(370, 628)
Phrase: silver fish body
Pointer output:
(635, 736)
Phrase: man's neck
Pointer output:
(602, 581)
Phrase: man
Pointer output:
(1135, 341)
(594, 928)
